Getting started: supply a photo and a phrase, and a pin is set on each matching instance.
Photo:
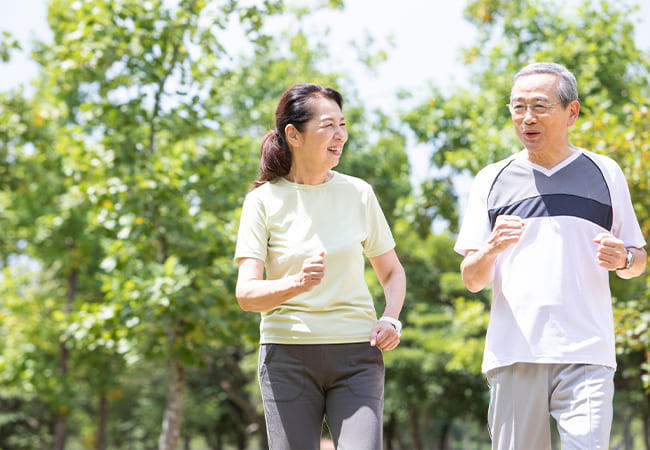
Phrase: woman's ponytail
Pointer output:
(275, 158)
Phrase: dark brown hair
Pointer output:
(294, 108)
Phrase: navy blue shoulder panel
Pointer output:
(577, 190)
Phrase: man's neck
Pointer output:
(548, 160)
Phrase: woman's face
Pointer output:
(323, 136)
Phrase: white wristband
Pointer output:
(394, 322)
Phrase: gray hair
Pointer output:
(567, 87)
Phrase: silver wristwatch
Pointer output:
(629, 261)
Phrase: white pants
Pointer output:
(523, 395)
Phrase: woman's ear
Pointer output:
(293, 135)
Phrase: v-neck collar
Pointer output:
(556, 168)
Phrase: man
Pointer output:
(544, 227)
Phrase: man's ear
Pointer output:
(574, 111)
(293, 135)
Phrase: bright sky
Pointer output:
(427, 36)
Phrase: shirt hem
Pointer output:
(485, 368)
(311, 341)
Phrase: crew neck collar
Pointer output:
(286, 182)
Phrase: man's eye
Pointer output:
(519, 108)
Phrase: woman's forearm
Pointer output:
(254, 293)
(394, 292)
(393, 279)
(262, 295)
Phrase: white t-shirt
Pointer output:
(551, 299)
(284, 223)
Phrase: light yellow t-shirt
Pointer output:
(284, 223)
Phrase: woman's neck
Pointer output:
(308, 177)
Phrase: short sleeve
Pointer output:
(380, 239)
(626, 225)
(475, 227)
(252, 237)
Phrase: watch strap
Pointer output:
(629, 261)
(394, 322)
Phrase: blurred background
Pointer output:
(130, 131)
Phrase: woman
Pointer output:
(308, 227)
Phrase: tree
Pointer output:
(123, 175)
(470, 127)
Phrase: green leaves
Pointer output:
(7, 45)
(470, 127)
(123, 176)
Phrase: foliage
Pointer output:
(123, 167)
(377, 156)
(122, 177)
(470, 127)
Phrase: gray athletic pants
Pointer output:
(303, 384)
(578, 396)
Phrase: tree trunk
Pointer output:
(627, 436)
(171, 425)
(389, 432)
(444, 436)
(237, 395)
(101, 426)
(646, 421)
(415, 428)
(60, 433)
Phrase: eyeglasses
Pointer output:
(538, 108)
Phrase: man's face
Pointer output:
(544, 131)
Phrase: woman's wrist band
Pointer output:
(394, 322)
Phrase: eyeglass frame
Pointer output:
(530, 106)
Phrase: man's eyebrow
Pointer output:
(538, 98)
